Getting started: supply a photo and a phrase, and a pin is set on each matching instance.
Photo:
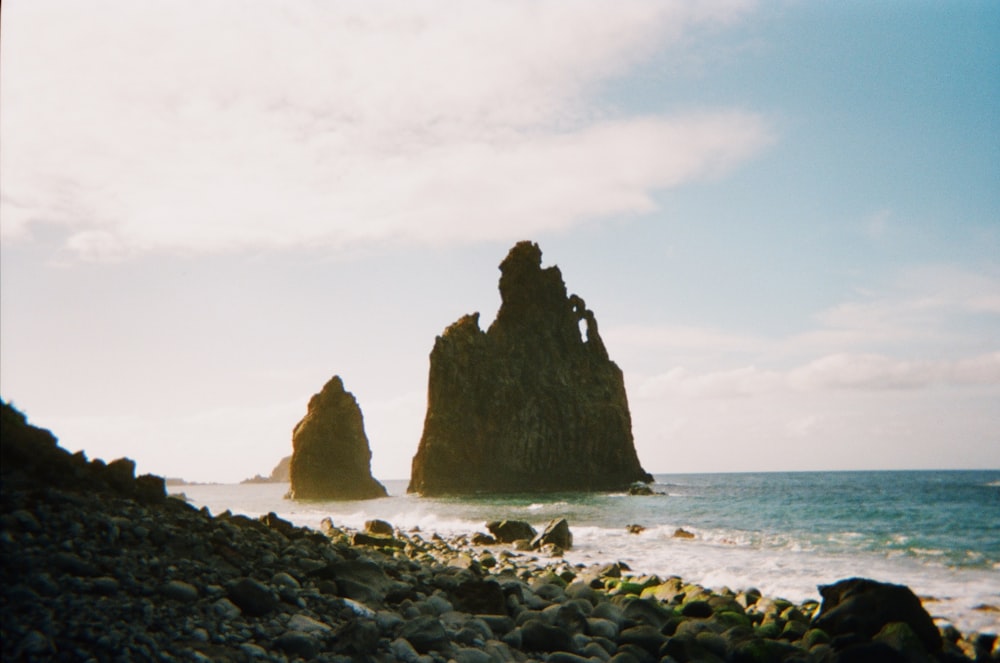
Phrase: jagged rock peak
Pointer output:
(529, 405)
(331, 458)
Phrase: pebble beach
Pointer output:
(100, 565)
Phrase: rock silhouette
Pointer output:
(530, 405)
(331, 458)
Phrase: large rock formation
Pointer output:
(529, 405)
(330, 457)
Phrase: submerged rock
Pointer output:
(530, 405)
(331, 458)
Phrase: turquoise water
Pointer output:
(784, 533)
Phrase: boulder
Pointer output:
(861, 607)
(530, 405)
(509, 531)
(556, 533)
(331, 459)
(378, 527)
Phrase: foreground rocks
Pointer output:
(331, 459)
(94, 569)
(529, 405)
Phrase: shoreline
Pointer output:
(101, 565)
(712, 559)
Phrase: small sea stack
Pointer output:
(331, 459)
(533, 404)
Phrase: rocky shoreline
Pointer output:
(101, 565)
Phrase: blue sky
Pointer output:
(786, 217)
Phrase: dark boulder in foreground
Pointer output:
(529, 405)
(331, 459)
(863, 608)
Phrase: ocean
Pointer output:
(784, 533)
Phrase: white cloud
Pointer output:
(843, 371)
(194, 126)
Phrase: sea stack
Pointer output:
(331, 459)
(533, 404)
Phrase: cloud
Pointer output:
(842, 371)
(220, 126)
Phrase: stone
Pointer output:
(107, 586)
(283, 579)
(697, 609)
(226, 609)
(425, 633)
(378, 527)
(509, 531)
(297, 643)
(645, 636)
(480, 597)
(640, 488)
(681, 533)
(529, 405)
(863, 607)
(306, 624)
(635, 529)
(253, 597)
(178, 590)
(537, 636)
(74, 565)
(481, 539)
(331, 458)
(556, 533)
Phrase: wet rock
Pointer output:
(331, 458)
(480, 539)
(556, 533)
(378, 527)
(509, 531)
(530, 405)
(681, 533)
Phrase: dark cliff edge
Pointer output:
(32, 458)
(531, 404)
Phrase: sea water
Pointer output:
(783, 533)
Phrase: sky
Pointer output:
(785, 216)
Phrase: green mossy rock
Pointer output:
(813, 637)
(764, 651)
(900, 637)
(769, 630)
(728, 619)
